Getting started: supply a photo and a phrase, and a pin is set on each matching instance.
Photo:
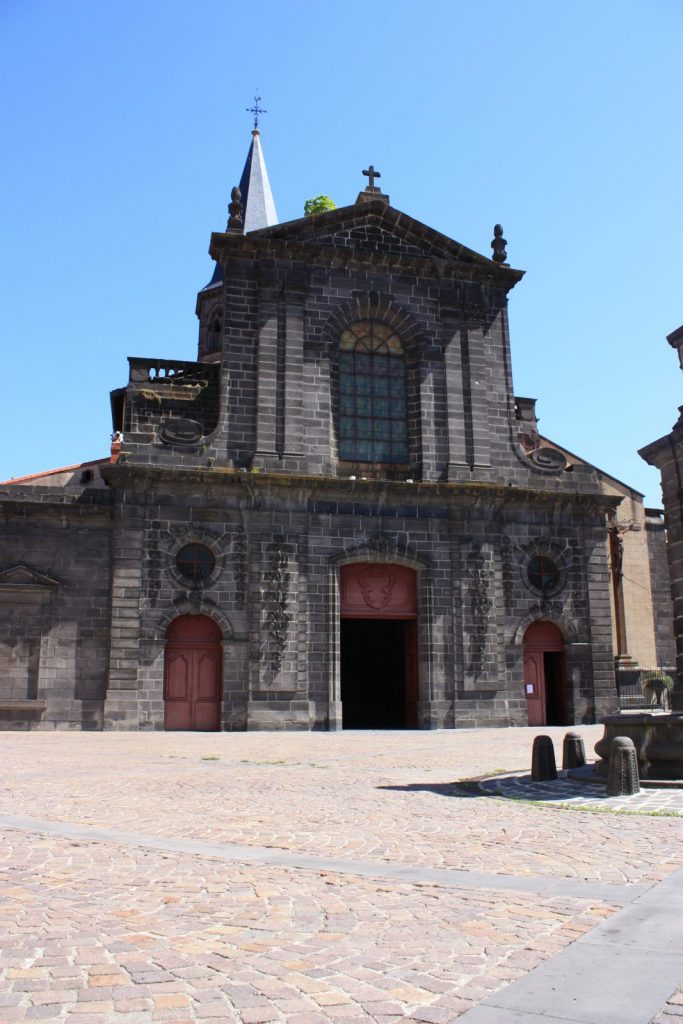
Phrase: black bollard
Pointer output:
(543, 760)
(622, 773)
(573, 751)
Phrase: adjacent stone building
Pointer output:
(338, 515)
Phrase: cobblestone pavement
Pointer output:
(583, 795)
(672, 1013)
(111, 932)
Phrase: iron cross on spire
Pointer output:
(371, 174)
(256, 110)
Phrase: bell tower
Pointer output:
(252, 207)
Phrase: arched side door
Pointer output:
(544, 674)
(193, 674)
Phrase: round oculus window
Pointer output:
(543, 574)
(195, 562)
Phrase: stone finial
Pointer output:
(498, 245)
(543, 767)
(235, 209)
(573, 751)
(622, 772)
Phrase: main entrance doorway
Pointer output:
(545, 681)
(192, 674)
(379, 665)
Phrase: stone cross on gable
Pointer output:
(371, 174)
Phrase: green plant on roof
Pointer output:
(318, 205)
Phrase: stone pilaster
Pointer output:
(121, 704)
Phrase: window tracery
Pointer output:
(372, 394)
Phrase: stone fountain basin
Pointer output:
(657, 737)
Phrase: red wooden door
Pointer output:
(541, 638)
(192, 676)
(534, 686)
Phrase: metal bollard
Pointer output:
(543, 760)
(622, 772)
(573, 751)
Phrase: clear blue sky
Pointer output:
(124, 128)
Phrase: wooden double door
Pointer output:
(193, 674)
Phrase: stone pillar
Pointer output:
(121, 704)
(455, 406)
(616, 555)
(479, 398)
(294, 376)
(267, 383)
(667, 455)
(466, 394)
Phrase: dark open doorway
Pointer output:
(555, 700)
(378, 674)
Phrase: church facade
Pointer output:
(337, 515)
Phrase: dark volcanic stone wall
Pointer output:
(54, 609)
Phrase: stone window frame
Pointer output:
(381, 308)
(377, 341)
(205, 541)
(552, 552)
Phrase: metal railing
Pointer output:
(644, 689)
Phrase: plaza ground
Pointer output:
(308, 878)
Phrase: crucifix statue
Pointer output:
(371, 174)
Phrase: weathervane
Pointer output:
(256, 110)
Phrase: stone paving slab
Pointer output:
(291, 791)
(101, 932)
(108, 930)
(582, 794)
(612, 893)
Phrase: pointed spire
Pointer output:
(257, 198)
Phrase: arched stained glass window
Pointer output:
(372, 394)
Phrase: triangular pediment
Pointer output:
(363, 224)
(23, 576)
(375, 227)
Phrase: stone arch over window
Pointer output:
(372, 345)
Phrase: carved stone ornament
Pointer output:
(240, 556)
(276, 601)
(178, 430)
(549, 459)
(498, 245)
(376, 584)
(480, 605)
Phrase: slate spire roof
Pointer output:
(257, 197)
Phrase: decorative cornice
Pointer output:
(450, 494)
